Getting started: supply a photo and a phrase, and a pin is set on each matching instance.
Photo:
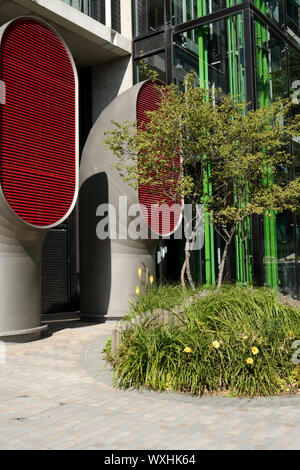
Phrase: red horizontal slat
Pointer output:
(161, 220)
(38, 127)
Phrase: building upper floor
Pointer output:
(153, 15)
(96, 31)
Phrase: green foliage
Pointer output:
(213, 351)
(206, 128)
(162, 297)
(222, 145)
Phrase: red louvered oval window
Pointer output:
(155, 206)
(38, 123)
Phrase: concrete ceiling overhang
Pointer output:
(89, 41)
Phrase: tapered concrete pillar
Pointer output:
(109, 268)
(20, 278)
(38, 163)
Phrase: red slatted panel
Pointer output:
(158, 217)
(38, 124)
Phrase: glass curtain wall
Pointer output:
(273, 9)
(156, 62)
(280, 230)
(293, 16)
(149, 16)
(294, 89)
(215, 52)
(185, 10)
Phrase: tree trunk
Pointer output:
(224, 257)
(183, 269)
(188, 270)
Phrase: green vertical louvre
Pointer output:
(237, 87)
(209, 245)
(264, 79)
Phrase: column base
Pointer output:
(22, 336)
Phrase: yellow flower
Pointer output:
(151, 280)
(137, 290)
(140, 273)
(249, 360)
(291, 334)
(187, 350)
(254, 350)
(216, 344)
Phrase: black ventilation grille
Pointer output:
(55, 291)
(98, 10)
(147, 45)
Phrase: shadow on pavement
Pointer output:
(62, 321)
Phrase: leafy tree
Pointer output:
(242, 155)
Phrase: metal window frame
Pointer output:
(250, 14)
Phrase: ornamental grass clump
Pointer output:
(237, 342)
(157, 297)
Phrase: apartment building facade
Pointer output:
(248, 48)
(99, 37)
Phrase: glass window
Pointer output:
(271, 66)
(156, 62)
(215, 52)
(95, 9)
(271, 8)
(149, 16)
(293, 10)
(293, 20)
(279, 229)
(286, 252)
(185, 10)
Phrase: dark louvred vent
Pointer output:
(154, 204)
(54, 268)
(98, 10)
(38, 123)
(116, 15)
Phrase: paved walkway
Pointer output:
(56, 394)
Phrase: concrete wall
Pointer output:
(89, 41)
(113, 78)
(108, 81)
(109, 267)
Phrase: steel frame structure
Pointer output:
(250, 14)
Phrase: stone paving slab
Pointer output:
(56, 393)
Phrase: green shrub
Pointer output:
(237, 342)
(166, 297)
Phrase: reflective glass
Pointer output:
(215, 52)
(149, 16)
(156, 62)
(185, 10)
